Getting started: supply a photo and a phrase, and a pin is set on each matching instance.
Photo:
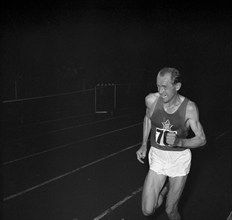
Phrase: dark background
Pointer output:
(50, 47)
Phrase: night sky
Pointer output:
(50, 47)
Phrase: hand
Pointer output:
(141, 153)
(172, 139)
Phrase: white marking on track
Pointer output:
(115, 206)
(54, 120)
(68, 173)
(45, 96)
(222, 134)
(66, 128)
(66, 145)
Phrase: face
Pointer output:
(166, 88)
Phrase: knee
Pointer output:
(147, 211)
(169, 210)
(172, 212)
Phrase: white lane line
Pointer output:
(54, 120)
(115, 206)
(66, 145)
(68, 173)
(66, 128)
(46, 96)
(222, 134)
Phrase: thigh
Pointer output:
(179, 164)
(176, 187)
(152, 187)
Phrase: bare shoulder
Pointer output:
(191, 106)
(150, 99)
(192, 110)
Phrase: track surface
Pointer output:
(85, 168)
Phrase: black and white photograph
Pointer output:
(116, 110)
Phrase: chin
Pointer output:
(166, 100)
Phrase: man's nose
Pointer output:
(161, 90)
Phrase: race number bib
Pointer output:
(161, 133)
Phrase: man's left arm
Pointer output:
(192, 117)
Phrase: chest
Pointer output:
(168, 121)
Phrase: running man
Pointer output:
(168, 118)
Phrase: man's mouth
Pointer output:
(164, 96)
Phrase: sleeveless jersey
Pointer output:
(163, 123)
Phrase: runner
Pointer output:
(168, 118)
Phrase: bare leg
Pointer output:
(151, 191)
(162, 195)
(176, 186)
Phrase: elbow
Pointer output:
(203, 141)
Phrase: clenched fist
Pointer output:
(172, 139)
(141, 153)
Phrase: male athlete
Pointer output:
(168, 118)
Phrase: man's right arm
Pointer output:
(150, 101)
(146, 127)
(141, 153)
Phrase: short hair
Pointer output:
(175, 74)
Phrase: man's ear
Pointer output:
(178, 86)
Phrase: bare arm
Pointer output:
(199, 139)
(146, 128)
(150, 102)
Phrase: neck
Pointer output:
(175, 101)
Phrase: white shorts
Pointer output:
(170, 163)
